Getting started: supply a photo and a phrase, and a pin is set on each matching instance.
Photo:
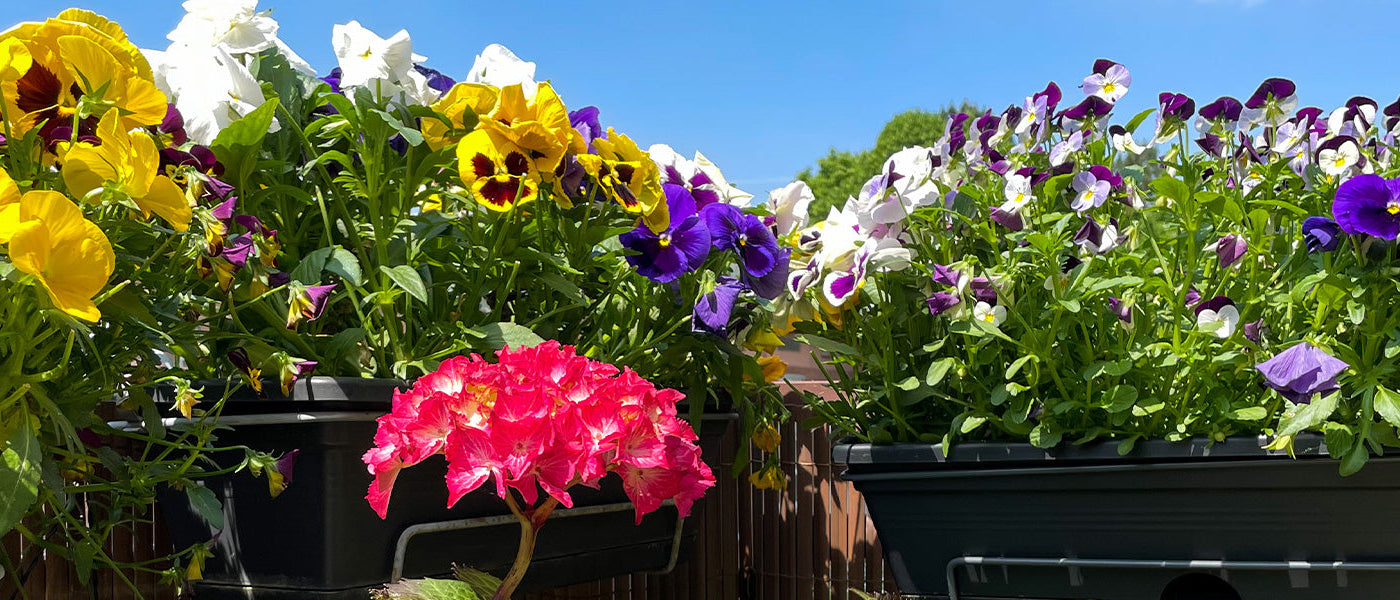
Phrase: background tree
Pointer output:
(840, 173)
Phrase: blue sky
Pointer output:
(765, 88)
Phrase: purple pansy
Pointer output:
(1301, 371)
(946, 275)
(942, 302)
(1109, 81)
(1229, 249)
(1271, 104)
(681, 248)
(436, 80)
(746, 235)
(1321, 234)
(287, 463)
(1213, 145)
(1192, 297)
(1089, 191)
(1368, 204)
(1008, 219)
(712, 310)
(585, 121)
(1255, 331)
(983, 290)
(1089, 109)
(173, 125)
(1096, 238)
(770, 286)
(1221, 115)
(1120, 310)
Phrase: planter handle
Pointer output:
(401, 547)
(1301, 568)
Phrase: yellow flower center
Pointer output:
(989, 317)
(665, 241)
(1340, 162)
(1109, 87)
(1393, 207)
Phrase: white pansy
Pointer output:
(211, 89)
(1340, 158)
(366, 58)
(992, 315)
(728, 193)
(1221, 322)
(1017, 192)
(498, 66)
(234, 24)
(913, 186)
(789, 207)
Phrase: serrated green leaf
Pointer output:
(237, 145)
(1308, 416)
(1053, 186)
(971, 423)
(1042, 438)
(1126, 446)
(408, 280)
(206, 505)
(20, 473)
(308, 271)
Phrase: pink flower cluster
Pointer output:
(541, 417)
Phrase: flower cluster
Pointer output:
(541, 418)
(1039, 273)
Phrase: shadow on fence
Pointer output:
(812, 541)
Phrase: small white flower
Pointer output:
(1338, 159)
(789, 207)
(365, 57)
(1228, 318)
(210, 88)
(498, 66)
(728, 193)
(234, 24)
(992, 315)
(1017, 192)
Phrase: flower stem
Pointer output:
(530, 523)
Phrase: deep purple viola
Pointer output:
(942, 302)
(1092, 107)
(1222, 115)
(681, 248)
(1368, 204)
(713, 309)
(1301, 371)
(585, 121)
(1321, 234)
(744, 234)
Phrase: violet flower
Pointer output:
(1368, 204)
(946, 275)
(1219, 116)
(732, 229)
(1066, 147)
(173, 125)
(1120, 310)
(681, 248)
(1008, 219)
(1218, 310)
(308, 303)
(942, 302)
(1173, 110)
(983, 290)
(1392, 115)
(585, 121)
(1109, 81)
(436, 80)
(770, 286)
(712, 310)
(1229, 249)
(1089, 191)
(1301, 371)
(1271, 104)
(1098, 239)
(1089, 109)
(1321, 234)
(1255, 331)
(1192, 297)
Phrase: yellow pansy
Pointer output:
(629, 176)
(539, 126)
(15, 60)
(463, 99)
(768, 478)
(774, 368)
(127, 164)
(75, 55)
(9, 206)
(766, 437)
(499, 174)
(68, 254)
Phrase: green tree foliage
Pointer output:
(840, 173)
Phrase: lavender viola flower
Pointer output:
(1123, 141)
(1321, 234)
(1008, 219)
(942, 302)
(681, 248)
(1368, 204)
(1392, 116)
(173, 125)
(307, 303)
(1098, 239)
(1213, 145)
(1271, 104)
(1110, 80)
(1173, 110)
(713, 309)
(770, 286)
(1120, 310)
(333, 80)
(1039, 108)
(746, 235)
(585, 121)
(436, 80)
(1220, 116)
(1192, 297)
(1066, 147)
(1354, 119)
(1301, 371)
(1089, 191)
(947, 276)
(1229, 249)
(983, 290)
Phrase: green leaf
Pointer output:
(1053, 186)
(237, 145)
(1308, 416)
(972, 423)
(908, 383)
(1015, 367)
(1041, 438)
(938, 370)
(828, 345)
(1171, 187)
(1115, 282)
(308, 271)
(1137, 120)
(343, 263)
(1354, 460)
(20, 473)
(1116, 368)
(410, 135)
(1252, 413)
(206, 505)
(500, 335)
(408, 280)
(1120, 398)
(1126, 446)
(82, 560)
(1387, 405)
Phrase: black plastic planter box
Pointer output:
(1084, 523)
(320, 540)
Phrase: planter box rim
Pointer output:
(999, 455)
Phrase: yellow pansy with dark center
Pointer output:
(631, 179)
(499, 174)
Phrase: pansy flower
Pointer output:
(941, 302)
(1368, 204)
(628, 176)
(1123, 140)
(1321, 234)
(989, 314)
(1229, 249)
(499, 174)
(1219, 117)
(1338, 155)
(1098, 239)
(1121, 310)
(1354, 119)
(460, 108)
(68, 255)
(744, 234)
(1271, 104)
(1088, 110)
(713, 308)
(125, 164)
(1110, 80)
(1089, 191)
(1061, 151)
(307, 303)
(538, 125)
(1302, 371)
(1173, 110)
(1219, 316)
(681, 248)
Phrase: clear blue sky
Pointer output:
(764, 89)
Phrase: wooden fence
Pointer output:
(810, 541)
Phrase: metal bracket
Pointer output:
(401, 547)
(1297, 570)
